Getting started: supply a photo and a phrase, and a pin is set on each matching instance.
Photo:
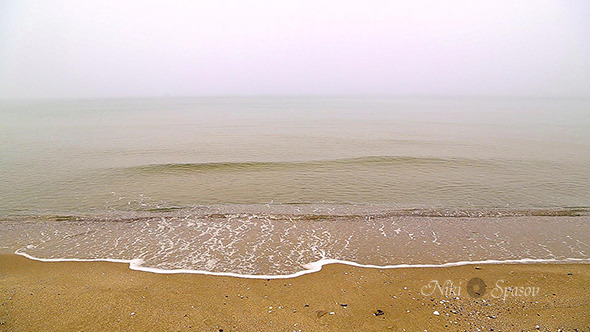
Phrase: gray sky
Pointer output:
(53, 48)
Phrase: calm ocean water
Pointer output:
(267, 186)
(104, 155)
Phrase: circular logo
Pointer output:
(476, 287)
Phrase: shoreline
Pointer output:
(102, 295)
(312, 267)
(269, 245)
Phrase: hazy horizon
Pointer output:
(293, 96)
(106, 49)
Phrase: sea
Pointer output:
(274, 187)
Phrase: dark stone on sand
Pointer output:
(379, 312)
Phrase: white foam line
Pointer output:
(135, 264)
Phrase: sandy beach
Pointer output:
(94, 296)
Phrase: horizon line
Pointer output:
(310, 95)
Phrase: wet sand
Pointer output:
(96, 296)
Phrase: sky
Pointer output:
(94, 49)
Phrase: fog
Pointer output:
(79, 49)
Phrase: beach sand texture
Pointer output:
(98, 296)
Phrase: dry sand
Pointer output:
(97, 296)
